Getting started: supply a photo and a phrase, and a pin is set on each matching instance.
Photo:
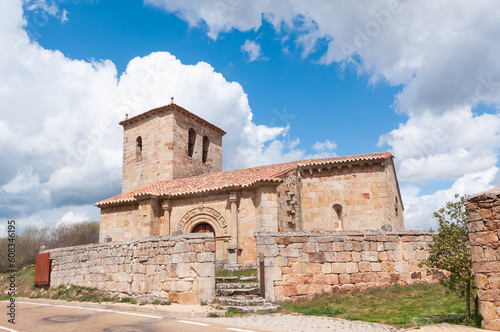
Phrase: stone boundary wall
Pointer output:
(176, 268)
(298, 264)
(483, 222)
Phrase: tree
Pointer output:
(450, 250)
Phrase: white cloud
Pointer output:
(443, 147)
(67, 130)
(324, 146)
(252, 49)
(444, 55)
(419, 209)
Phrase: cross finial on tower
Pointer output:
(171, 100)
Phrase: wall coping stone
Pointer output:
(191, 236)
(488, 194)
(345, 233)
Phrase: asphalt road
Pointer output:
(39, 317)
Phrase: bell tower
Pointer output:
(166, 143)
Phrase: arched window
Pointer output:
(191, 141)
(337, 208)
(138, 148)
(206, 144)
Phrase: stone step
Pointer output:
(238, 291)
(264, 309)
(242, 300)
(226, 279)
(236, 285)
(248, 279)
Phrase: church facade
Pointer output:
(173, 183)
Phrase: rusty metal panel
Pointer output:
(42, 269)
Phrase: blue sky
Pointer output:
(286, 80)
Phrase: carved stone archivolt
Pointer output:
(200, 215)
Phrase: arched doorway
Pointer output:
(203, 228)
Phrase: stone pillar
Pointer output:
(167, 210)
(233, 245)
(483, 222)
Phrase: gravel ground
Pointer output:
(300, 323)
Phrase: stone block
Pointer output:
(351, 268)
(489, 295)
(356, 246)
(485, 267)
(493, 325)
(481, 281)
(409, 255)
(289, 290)
(310, 247)
(337, 246)
(181, 286)
(357, 278)
(483, 238)
(188, 298)
(369, 256)
(174, 297)
(298, 268)
(313, 268)
(494, 281)
(383, 277)
(319, 279)
(390, 245)
(317, 257)
(332, 279)
(205, 257)
(364, 266)
(348, 246)
(326, 268)
(181, 247)
(338, 268)
(356, 256)
(302, 289)
(348, 287)
(204, 269)
(206, 289)
(344, 279)
(376, 267)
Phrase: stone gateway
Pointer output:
(173, 184)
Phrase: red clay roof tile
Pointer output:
(239, 178)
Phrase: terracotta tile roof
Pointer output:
(235, 179)
(173, 107)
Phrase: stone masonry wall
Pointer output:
(180, 269)
(302, 263)
(483, 221)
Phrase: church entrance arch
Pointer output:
(203, 215)
(204, 219)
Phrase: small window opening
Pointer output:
(337, 208)
(206, 144)
(191, 141)
(138, 148)
(396, 205)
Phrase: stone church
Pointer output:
(173, 183)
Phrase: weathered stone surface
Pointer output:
(484, 234)
(138, 268)
(483, 238)
(353, 260)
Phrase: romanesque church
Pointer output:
(173, 183)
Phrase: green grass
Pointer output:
(234, 312)
(243, 273)
(402, 306)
